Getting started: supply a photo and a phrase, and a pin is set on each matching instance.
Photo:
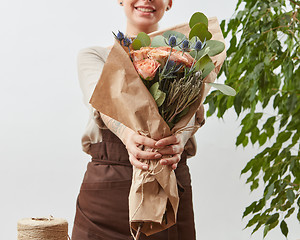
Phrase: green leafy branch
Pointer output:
(263, 66)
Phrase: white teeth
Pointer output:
(145, 9)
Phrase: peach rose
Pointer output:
(140, 54)
(179, 58)
(159, 55)
(189, 58)
(146, 68)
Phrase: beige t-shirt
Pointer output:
(90, 64)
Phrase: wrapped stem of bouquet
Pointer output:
(130, 93)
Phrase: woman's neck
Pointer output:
(133, 30)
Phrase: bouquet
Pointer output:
(154, 84)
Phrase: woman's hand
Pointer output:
(174, 146)
(132, 141)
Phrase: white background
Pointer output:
(43, 118)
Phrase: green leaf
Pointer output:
(200, 30)
(266, 230)
(290, 195)
(178, 35)
(205, 65)
(198, 17)
(207, 69)
(158, 95)
(284, 228)
(255, 183)
(254, 135)
(158, 41)
(254, 220)
(240, 139)
(215, 47)
(262, 139)
(272, 218)
(249, 209)
(290, 212)
(184, 112)
(144, 38)
(136, 44)
(270, 191)
(238, 102)
(227, 90)
(284, 136)
(212, 107)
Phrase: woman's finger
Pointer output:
(171, 150)
(142, 140)
(140, 154)
(137, 163)
(174, 139)
(171, 160)
(174, 166)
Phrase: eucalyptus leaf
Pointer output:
(178, 35)
(198, 17)
(136, 44)
(207, 69)
(158, 41)
(158, 95)
(202, 63)
(215, 47)
(201, 31)
(144, 38)
(227, 90)
(205, 51)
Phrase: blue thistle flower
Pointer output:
(120, 36)
(126, 42)
(185, 45)
(172, 41)
(199, 45)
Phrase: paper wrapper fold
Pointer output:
(121, 94)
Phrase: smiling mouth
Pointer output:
(146, 10)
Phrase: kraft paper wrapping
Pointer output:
(121, 94)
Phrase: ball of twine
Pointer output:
(43, 229)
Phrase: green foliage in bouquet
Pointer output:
(263, 66)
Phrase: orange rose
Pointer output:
(146, 68)
(140, 54)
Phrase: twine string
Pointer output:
(43, 229)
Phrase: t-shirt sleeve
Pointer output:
(90, 62)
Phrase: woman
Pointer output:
(102, 204)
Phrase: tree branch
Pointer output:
(298, 4)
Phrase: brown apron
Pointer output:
(102, 204)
